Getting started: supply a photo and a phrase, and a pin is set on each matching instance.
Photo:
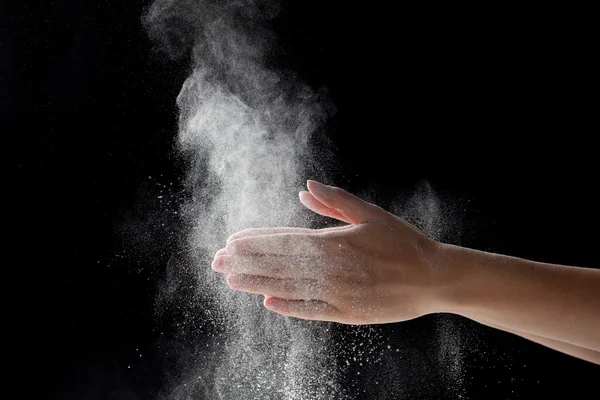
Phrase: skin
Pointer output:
(380, 269)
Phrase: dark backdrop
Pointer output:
(492, 105)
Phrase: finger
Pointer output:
(297, 289)
(283, 244)
(313, 204)
(266, 266)
(312, 309)
(220, 252)
(353, 208)
(273, 231)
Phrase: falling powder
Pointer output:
(246, 130)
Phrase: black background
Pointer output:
(494, 105)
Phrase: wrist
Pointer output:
(453, 274)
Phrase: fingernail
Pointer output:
(326, 191)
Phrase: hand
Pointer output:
(377, 269)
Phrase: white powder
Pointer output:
(245, 132)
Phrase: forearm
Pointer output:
(566, 348)
(551, 301)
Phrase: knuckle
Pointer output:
(333, 244)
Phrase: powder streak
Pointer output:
(245, 130)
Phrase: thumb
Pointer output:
(310, 202)
(354, 209)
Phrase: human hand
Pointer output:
(377, 269)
